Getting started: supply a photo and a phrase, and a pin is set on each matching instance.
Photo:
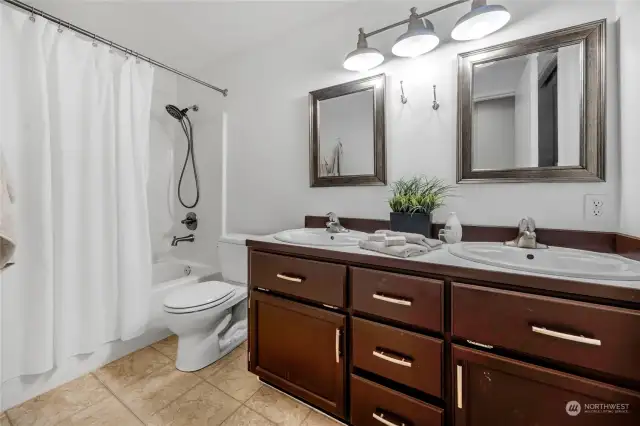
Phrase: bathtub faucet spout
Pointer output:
(189, 238)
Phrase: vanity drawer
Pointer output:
(410, 300)
(402, 356)
(588, 335)
(318, 281)
(376, 405)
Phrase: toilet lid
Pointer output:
(200, 294)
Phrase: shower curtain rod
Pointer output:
(33, 11)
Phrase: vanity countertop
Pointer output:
(441, 262)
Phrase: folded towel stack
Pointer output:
(407, 250)
(399, 244)
(419, 239)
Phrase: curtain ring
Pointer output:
(137, 58)
(111, 48)
(95, 43)
(69, 26)
(126, 54)
(60, 26)
(32, 18)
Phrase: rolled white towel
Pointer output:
(396, 240)
(377, 237)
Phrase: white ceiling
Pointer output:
(188, 34)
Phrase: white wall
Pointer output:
(268, 128)
(526, 115)
(356, 133)
(493, 134)
(629, 34)
(569, 63)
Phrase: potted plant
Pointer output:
(414, 201)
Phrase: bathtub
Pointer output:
(169, 274)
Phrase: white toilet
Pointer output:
(210, 318)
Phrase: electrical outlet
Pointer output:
(594, 206)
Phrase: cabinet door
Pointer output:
(493, 390)
(300, 349)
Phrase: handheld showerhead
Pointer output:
(178, 113)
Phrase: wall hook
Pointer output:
(403, 98)
(436, 105)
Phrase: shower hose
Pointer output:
(188, 131)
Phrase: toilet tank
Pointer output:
(233, 257)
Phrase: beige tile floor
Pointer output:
(144, 388)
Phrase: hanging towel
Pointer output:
(407, 250)
(7, 230)
(419, 239)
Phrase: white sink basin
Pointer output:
(320, 237)
(553, 261)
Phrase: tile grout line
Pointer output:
(80, 410)
(119, 400)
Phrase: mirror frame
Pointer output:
(379, 177)
(593, 115)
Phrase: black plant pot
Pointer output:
(417, 223)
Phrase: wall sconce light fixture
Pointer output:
(421, 37)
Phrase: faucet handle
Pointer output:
(333, 217)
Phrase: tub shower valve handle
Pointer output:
(191, 221)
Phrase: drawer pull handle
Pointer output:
(482, 345)
(337, 346)
(381, 419)
(459, 385)
(400, 361)
(565, 336)
(288, 278)
(392, 300)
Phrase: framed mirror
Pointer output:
(534, 109)
(347, 134)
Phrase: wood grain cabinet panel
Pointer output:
(309, 279)
(402, 356)
(593, 336)
(493, 390)
(299, 348)
(410, 300)
(375, 405)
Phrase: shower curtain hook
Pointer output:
(95, 43)
(111, 48)
(137, 58)
(32, 18)
(69, 26)
(60, 26)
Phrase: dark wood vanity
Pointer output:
(380, 341)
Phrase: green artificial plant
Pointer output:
(418, 194)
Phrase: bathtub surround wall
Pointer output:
(208, 128)
(268, 186)
(629, 32)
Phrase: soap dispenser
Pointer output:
(452, 232)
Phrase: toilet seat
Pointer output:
(198, 297)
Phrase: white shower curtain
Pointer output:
(74, 129)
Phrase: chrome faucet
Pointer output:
(526, 235)
(189, 238)
(333, 225)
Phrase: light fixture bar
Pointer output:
(422, 15)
